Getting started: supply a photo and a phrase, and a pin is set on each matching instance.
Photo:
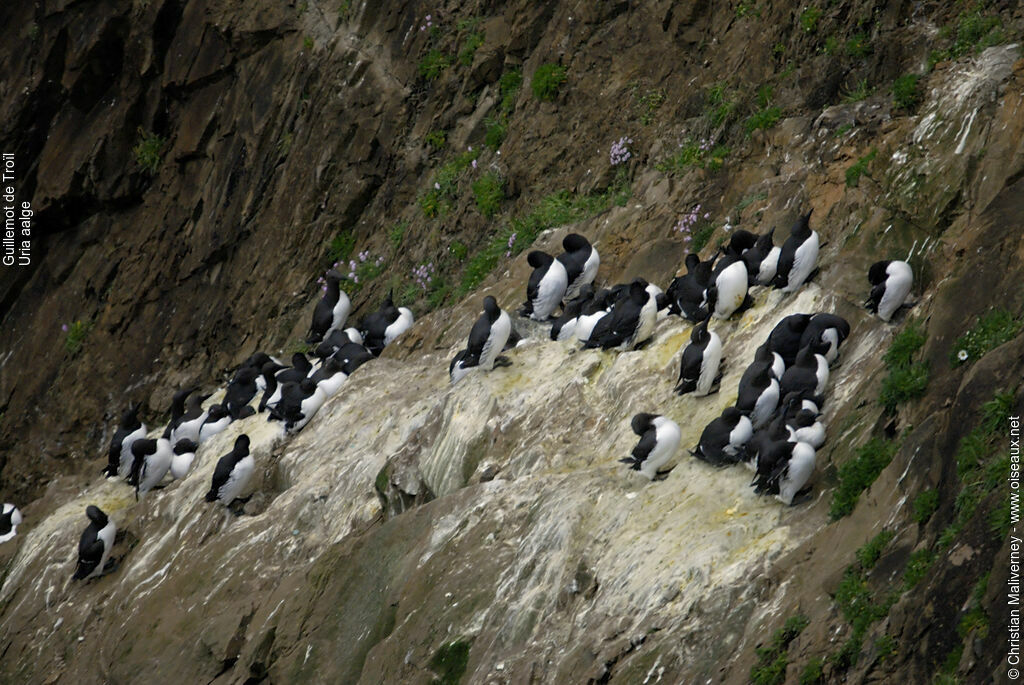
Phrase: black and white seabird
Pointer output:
(380, 328)
(564, 327)
(831, 329)
(184, 455)
(217, 420)
(805, 427)
(581, 262)
(487, 338)
(799, 256)
(301, 368)
(240, 392)
(10, 518)
(630, 322)
(232, 473)
(762, 258)
(890, 285)
(330, 376)
(119, 462)
(331, 311)
(686, 294)
(177, 409)
(699, 371)
(152, 461)
(546, 287)
(787, 472)
(192, 420)
(659, 440)
(785, 337)
(758, 393)
(722, 441)
(730, 287)
(299, 402)
(803, 376)
(95, 544)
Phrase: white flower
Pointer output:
(962, 355)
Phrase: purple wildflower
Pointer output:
(620, 151)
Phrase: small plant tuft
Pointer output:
(905, 92)
(809, 19)
(995, 327)
(489, 192)
(869, 554)
(859, 473)
(858, 46)
(812, 673)
(449, 663)
(74, 335)
(547, 81)
(860, 91)
(396, 234)
(692, 154)
(772, 660)
(885, 646)
(434, 64)
(648, 103)
(147, 151)
(508, 87)
(341, 246)
(925, 505)
(917, 567)
(469, 47)
(907, 379)
(859, 168)
(436, 139)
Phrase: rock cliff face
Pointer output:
(195, 166)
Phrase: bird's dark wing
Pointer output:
(478, 336)
(644, 447)
(90, 553)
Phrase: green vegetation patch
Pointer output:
(436, 139)
(995, 327)
(556, 209)
(860, 91)
(449, 663)
(341, 246)
(497, 125)
(470, 45)
(547, 81)
(906, 94)
(693, 154)
(907, 379)
(981, 467)
(812, 673)
(647, 104)
(809, 19)
(721, 105)
(74, 335)
(858, 46)
(148, 151)
(772, 660)
(434, 64)
(439, 197)
(488, 193)
(859, 167)
(917, 567)
(858, 604)
(508, 88)
(858, 474)
(869, 554)
(925, 505)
